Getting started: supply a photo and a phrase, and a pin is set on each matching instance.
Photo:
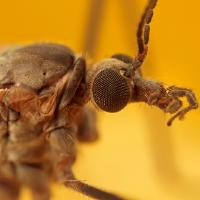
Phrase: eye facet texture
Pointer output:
(110, 90)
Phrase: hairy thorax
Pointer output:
(27, 122)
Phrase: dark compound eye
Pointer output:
(110, 90)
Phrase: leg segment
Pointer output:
(167, 99)
(87, 130)
(74, 82)
(9, 184)
(35, 178)
(9, 189)
(62, 141)
(63, 144)
(73, 183)
(182, 92)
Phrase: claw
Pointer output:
(182, 92)
(181, 114)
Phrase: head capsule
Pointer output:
(109, 87)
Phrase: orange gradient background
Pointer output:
(137, 155)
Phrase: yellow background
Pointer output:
(137, 156)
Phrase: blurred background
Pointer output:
(137, 155)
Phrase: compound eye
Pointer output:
(111, 91)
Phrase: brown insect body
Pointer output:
(30, 120)
(44, 89)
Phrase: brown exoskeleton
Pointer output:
(44, 89)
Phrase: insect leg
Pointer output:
(62, 141)
(9, 188)
(8, 191)
(88, 190)
(9, 185)
(76, 78)
(63, 144)
(143, 31)
(87, 130)
(182, 92)
(167, 99)
(35, 178)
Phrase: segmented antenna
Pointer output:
(143, 31)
